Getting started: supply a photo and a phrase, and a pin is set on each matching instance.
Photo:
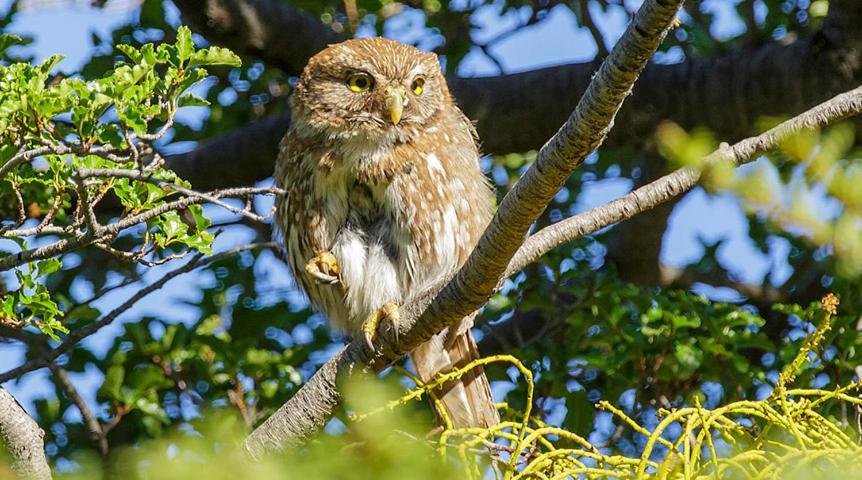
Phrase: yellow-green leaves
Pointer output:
(8, 40)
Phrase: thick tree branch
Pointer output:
(240, 157)
(23, 439)
(270, 30)
(518, 112)
(422, 318)
(635, 246)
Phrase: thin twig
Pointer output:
(90, 420)
(587, 19)
(78, 335)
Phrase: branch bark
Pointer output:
(23, 439)
(518, 112)
(422, 318)
(97, 433)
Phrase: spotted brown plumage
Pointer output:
(384, 197)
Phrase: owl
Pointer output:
(383, 198)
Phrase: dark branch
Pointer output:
(270, 30)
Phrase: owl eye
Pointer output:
(359, 82)
(417, 86)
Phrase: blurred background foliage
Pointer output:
(591, 321)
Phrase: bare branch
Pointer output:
(93, 425)
(108, 232)
(644, 198)
(23, 157)
(210, 198)
(23, 438)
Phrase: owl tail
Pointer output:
(467, 401)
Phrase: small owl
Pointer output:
(384, 197)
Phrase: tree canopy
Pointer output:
(139, 279)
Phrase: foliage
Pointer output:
(788, 191)
(66, 144)
(791, 433)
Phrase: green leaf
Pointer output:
(8, 40)
(49, 266)
(215, 56)
(185, 45)
(48, 65)
(189, 100)
(113, 381)
(131, 52)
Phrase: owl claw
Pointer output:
(324, 267)
(324, 278)
(389, 311)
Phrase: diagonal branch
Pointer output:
(674, 184)
(94, 427)
(313, 403)
(424, 317)
(653, 194)
(23, 439)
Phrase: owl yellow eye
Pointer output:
(417, 86)
(359, 82)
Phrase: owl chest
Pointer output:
(357, 208)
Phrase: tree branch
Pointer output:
(23, 438)
(273, 31)
(107, 233)
(77, 336)
(97, 433)
(424, 317)
(649, 196)
(239, 157)
(635, 246)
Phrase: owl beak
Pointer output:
(396, 99)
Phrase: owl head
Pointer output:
(370, 87)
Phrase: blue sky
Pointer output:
(68, 29)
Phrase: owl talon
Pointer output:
(324, 267)
(389, 311)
